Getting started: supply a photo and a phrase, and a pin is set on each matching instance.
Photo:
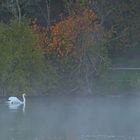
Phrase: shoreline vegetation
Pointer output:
(74, 47)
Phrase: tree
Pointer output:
(119, 20)
(21, 63)
(11, 8)
(45, 11)
(76, 6)
(69, 44)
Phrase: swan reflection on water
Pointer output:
(16, 106)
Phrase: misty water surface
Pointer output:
(72, 118)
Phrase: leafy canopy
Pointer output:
(21, 63)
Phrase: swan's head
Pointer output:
(24, 94)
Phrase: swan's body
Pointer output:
(15, 100)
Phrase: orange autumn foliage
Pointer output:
(41, 34)
(63, 34)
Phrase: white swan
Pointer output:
(15, 100)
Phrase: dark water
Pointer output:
(72, 118)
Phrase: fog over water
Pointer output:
(72, 118)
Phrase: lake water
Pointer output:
(72, 118)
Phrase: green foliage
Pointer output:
(118, 81)
(21, 63)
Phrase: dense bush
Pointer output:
(22, 64)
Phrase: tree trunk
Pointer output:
(48, 4)
(19, 10)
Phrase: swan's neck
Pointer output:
(24, 100)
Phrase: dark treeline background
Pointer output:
(68, 45)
